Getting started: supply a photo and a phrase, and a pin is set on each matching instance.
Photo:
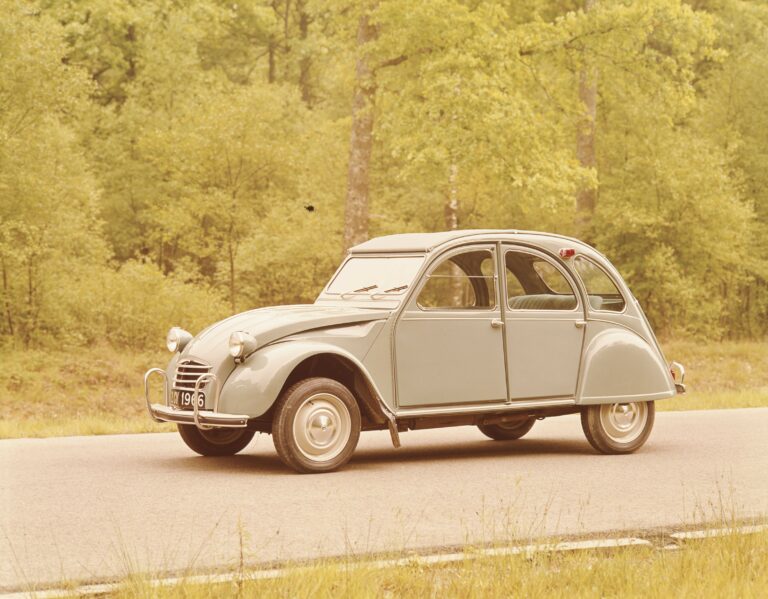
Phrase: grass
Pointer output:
(729, 566)
(731, 374)
(98, 390)
(80, 391)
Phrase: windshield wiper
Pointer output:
(361, 290)
(391, 290)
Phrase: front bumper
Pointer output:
(202, 419)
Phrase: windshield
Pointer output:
(370, 275)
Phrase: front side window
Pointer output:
(534, 283)
(464, 281)
(602, 291)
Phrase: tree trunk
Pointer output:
(452, 205)
(305, 64)
(586, 199)
(7, 296)
(271, 50)
(361, 141)
(451, 213)
(286, 22)
(232, 290)
(30, 316)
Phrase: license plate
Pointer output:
(183, 399)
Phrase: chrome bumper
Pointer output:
(202, 419)
(677, 367)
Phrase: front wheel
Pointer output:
(618, 427)
(316, 425)
(216, 441)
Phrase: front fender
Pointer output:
(619, 365)
(254, 386)
(170, 370)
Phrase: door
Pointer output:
(449, 342)
(544, 326)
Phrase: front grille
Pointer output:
(187, 373)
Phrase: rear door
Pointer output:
(544, 325)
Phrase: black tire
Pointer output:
(316, 425)
(507, 432)
(611, 436)
(216, 441)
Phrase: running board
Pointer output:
(479, 409)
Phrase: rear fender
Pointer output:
(620, 366)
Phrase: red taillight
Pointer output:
(567, 252)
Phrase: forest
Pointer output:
(169, 162)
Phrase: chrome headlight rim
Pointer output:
(177, 339)
(241, 344)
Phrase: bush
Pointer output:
(138, 304)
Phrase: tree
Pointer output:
(585, 139)
(210, 149)
(50, 234)
(361, 138)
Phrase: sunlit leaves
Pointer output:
(142, 140)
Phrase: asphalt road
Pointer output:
(86, 508)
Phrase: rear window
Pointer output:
(602, 291)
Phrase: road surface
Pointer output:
(93, 508)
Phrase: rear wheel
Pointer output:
(215, 441)
(618, 427)
(507, 431)
(316, 425)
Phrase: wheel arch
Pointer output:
(254, 386)
(349, 373)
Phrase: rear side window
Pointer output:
(534, 283)
(602, 291)
(553, 278)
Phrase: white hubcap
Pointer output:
(624, 422)
(322, 427)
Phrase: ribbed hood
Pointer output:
(270, 324)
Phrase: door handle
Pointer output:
(580, 324)
(496, 323)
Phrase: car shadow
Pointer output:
(267, 462)
(472, 450)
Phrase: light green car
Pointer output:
(494, 329)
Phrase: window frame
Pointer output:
(610, 278)
(569, 278)
(448, 255)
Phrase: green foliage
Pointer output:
(156, 158)
(49, 223)
(137, 303)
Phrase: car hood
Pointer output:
(271, 324)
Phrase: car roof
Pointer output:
(426, 242)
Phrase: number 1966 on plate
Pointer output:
(183, 399)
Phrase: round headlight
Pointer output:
(177, 338)
(241, 344)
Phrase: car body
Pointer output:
(476, 327)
